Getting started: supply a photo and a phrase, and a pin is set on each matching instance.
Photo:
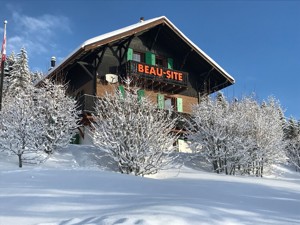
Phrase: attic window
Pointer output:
(138, 57)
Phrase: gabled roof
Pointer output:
(133, 29)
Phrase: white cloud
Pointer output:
(45, 24)
(36, 34)
(15, 43)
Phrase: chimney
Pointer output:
(142, 19)
(53, 60)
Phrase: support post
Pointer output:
(3, 57)
(1, 83)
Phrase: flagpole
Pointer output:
(3, 57)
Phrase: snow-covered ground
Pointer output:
(76, 187)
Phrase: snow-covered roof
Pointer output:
(124, 30)
(135, 28)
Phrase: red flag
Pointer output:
(3, 51)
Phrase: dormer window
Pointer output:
(138, 56)
(135, 56)
(149, 58)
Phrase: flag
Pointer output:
(3, 51)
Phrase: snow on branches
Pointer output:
(20, 126)
(60, 114)
(135, 133)
(241, 136)
(292, 141)
(34, 121)
(20, 76)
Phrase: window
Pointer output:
(136, 57)
(160, 61)
(169, 103)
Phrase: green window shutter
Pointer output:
(141, 94)
(179, 105)
(160, 101)
(153, 61)
(150, 58)
(170, 63)
(129, 54)
(122, 91)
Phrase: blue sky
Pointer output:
(257, 42)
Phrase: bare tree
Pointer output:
(268, 137)
(210, 132)
(20, 125)
(240, 136)
(135, 133)
(60, 114)
(35, 121)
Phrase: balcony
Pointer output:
(86, 103)
(155, 77)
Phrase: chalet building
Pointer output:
(168, 67)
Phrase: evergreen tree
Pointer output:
(20, 75)
(36, 77)
(10, 60)
(292, 141)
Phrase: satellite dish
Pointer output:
(111, 78)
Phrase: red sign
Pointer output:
(160, 72)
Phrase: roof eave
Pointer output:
(200, 52)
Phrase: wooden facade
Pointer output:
(159, 58)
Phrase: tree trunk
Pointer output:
(261, 169)
(225, 165)
(215, 165)
(20, 160)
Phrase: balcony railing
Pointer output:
(155, 73)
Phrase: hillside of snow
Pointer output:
(77, 187)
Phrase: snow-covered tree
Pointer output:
(241, 136)
(20, 124)
(211, 130)
(291, 129)
(135, 133)
(35, 120)
(268, 136)
(20, 76)
(60, 114)
(21, 120)
(36, 77)
(292, 141)
(8, 65)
